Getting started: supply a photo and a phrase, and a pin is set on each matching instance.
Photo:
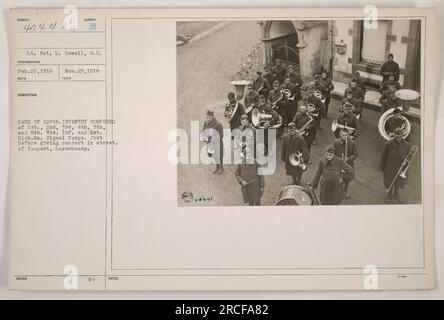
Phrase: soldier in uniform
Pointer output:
(251, 100)
(239, 110)
(357, 92)
(292, 106)
(394, 154)
(266, 108)
(359, 82)
(301, 118)
(319, 110)
(390, 66)
(293, 143)
(346, 148)
(294, 78)
(350, 99)
(317, 85)
(269, 75)
(347, 118)
(280, 70)
(330, 174)
(252, 183)
(328, 84)
(261, 85)
(213, 133)
(246, 136)
(385, 85)
(394, 122)
(389, 99)
(278, 100)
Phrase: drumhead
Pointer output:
(294, 196)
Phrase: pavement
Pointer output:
(204, 70)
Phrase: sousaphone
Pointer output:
(406, 127)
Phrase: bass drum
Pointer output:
(294, 196)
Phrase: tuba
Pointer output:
(297, 160)
(407, 128)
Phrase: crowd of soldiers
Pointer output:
(294, 110)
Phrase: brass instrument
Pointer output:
(404, 166)
(353, 109)
(249, 108)
(244, 144)
(230, 111)
(262, 120)
(335, 125)
(407, 128)
(274, 104)
(297, 160)
(303, 130)
(287, 93)
(311, 108)
(208, 141)
(260, 89)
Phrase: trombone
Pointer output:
(404, 166)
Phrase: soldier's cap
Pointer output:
(244, 117)
(398, 132)
(353, 80)
(290, 66)
(250, 86)
(316, 76)
(210, 113)
(330, 149)
(396, 111)
(231, 95)
(390, 55)
(276, 82)
(310, 89)
(291, 125)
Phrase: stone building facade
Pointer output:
(344, 46)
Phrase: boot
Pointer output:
(216, 170)
(221, 169)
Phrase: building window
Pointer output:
(374, 43)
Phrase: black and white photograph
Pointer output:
(299, 112)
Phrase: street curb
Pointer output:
(209, 32)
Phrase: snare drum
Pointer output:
(294, 196)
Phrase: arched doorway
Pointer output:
(281, 39)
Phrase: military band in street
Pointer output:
(294, 111)
(293, 115)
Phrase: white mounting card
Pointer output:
(114, 184)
